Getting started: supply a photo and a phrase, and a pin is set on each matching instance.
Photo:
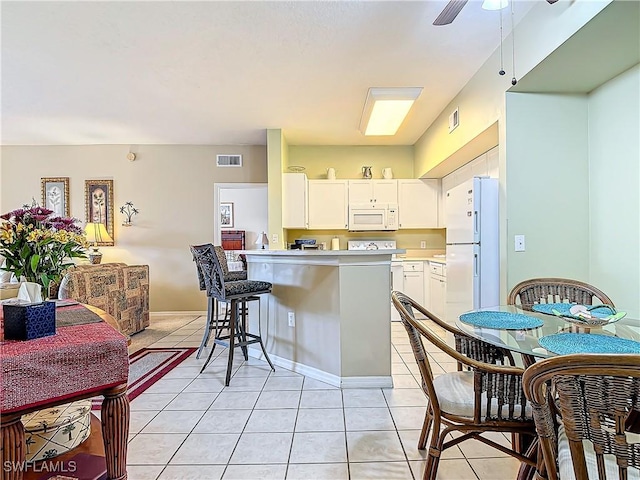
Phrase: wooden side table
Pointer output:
(80, 361)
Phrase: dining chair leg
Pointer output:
(435, 450)
(426, 426)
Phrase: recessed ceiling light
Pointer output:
(494, 4)
(386, 108)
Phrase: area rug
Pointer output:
(147, 366)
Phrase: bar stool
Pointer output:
(213, 306)
(235, 292)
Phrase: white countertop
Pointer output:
(321, 253)
(424, 259)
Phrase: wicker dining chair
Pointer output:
(555, 290)
(598, 397)
(486, 398)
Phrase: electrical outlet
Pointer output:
(519, 243)
(423, 244)
(274, 238)
(291, 316)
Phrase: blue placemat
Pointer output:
(563, 309)
(500, 320)
(565, 343)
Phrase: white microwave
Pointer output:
(366, 216)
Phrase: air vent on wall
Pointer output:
(229, 160)
(454, 120)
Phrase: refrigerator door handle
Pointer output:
(476, 227)
(476, 272)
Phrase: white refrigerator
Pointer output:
(473, 255)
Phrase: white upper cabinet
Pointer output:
(447, 184)
(418, 203)
(486, 165)
(295, 200)
(328, 204)
(373, 191)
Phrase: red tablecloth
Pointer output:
(77, 359)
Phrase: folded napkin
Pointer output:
(30, 292)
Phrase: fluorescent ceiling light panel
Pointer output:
(494, 4)
(386, 108)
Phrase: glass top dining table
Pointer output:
(525, 341)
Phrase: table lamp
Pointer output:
(262, 240)
(96, 233)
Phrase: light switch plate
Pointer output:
(519, 243)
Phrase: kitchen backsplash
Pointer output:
(408, 239)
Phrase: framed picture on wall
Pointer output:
(226, 215)
(55, 195)
(98, 205)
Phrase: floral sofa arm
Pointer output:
(120, 290)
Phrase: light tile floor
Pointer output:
(282, 425)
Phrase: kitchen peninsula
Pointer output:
(327, 316)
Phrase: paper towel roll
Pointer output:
(335, 244)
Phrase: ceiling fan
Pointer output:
(453, 8)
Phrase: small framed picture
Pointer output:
(55, 195)
(226, 215)
(98, 205)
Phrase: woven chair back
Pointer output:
(598, 397)
(555, 290)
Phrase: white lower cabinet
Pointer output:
(413, 277)
(437, 289)
(425, 282)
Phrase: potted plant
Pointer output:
(38, 246)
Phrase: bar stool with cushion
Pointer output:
(213, 306)
(235, 292)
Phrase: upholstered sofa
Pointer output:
(119, 289)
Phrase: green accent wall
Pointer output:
(547, 186)
(277, 154)
(349, 160)
(614, 186)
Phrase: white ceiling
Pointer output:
(221, 73)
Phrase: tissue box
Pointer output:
(26, 322)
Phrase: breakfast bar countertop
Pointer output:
(322, 253)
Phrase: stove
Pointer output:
(371, 245)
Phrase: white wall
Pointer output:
(614, 186)
(481, 101)
(173, 186)
(250, 210)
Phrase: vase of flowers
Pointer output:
(39, 246)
